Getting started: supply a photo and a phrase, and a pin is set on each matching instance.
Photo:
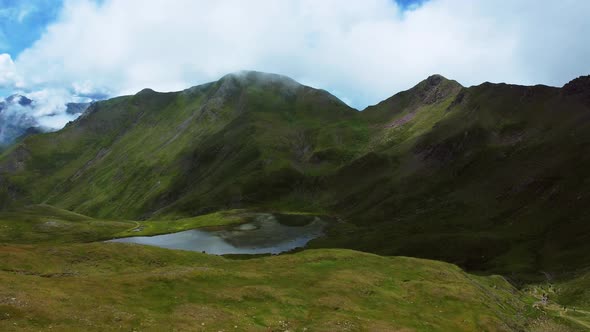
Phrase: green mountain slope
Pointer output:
(493, 177)
(239, 141)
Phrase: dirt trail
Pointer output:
(137, 225)
(585, 321)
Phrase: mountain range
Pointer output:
(492, 177)
(18, 117)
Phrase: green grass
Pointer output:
(58, 278)
(574, 291)
(52, 280)
(44, 224)
(110, 286)
(155, 227)
(568, 302)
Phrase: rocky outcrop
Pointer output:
(432, 90)
(436, 88)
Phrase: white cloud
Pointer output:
(9, 78)
(46, 112)
(364, 50)
(50, 102)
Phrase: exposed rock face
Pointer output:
(432, 90)
(436, 88)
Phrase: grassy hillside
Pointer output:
(44, 224)
(53, 276)
(125, 287)
(50, 280)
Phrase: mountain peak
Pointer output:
(145, 91)
(251, 77)
(235, 83)
(435, 79)
(429, 91)
(434, 89)
(19, 99)
(578, 86)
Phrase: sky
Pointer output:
(361, 51)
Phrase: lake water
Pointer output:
(264, 235)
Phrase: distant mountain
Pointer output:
(18, 118)
(76, 108)
(14, 118)
(492, 177)
(17, 99)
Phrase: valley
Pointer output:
(446, 208)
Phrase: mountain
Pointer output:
(243, 140)
(14, 120)
(76, 108)
(18, 117)
(492, 177)
(16, 99)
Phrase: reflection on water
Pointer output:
(263, 235)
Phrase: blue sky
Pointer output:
(409, 3)
(23, 21)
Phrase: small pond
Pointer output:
(265, 234)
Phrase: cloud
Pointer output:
(364, 51)
(45, 110)
(48, 110)
(9, 79)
